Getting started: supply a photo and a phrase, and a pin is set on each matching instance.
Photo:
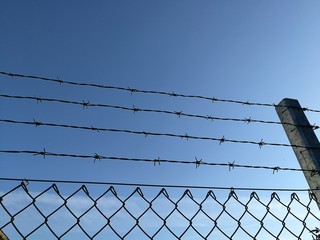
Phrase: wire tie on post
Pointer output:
(312, 196)
(285, 109)
(301, 151)
(261, 143)
(314, 172)
(198, 162)
(293, 129)
(315, 127)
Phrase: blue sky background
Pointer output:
(257, 51)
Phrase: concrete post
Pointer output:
(299, 134)
(3, 236)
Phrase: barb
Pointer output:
(185, 136)
(131, 90)
(87, 104)
(158, 161)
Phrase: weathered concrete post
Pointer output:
(300, 133)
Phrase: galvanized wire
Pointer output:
(133, 90)
(86, 104)
(158, 161)
(186, 136)
(50, 213)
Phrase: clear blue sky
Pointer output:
(246, 50)
(258, 51)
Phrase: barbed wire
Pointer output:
(186, 136)
(109, 219)
(133, 90)
(157, 161)
(87, 104)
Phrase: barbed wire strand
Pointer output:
(158, 161)
(87, 104)
(157, 185)
(185, 136)
(133, 90)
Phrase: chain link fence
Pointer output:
(48, 211)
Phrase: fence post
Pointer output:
(3, 236)
(300, 133)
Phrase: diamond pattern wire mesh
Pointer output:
(82, 214)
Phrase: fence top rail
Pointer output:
(27, 180)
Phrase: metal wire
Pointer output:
(133, 90)
(145, 133)
(87, 104)
(137, 215)
(157, 185)
(157, 161)
(221, 222)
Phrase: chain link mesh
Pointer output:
(77, 213)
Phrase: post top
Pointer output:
(289, 102)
